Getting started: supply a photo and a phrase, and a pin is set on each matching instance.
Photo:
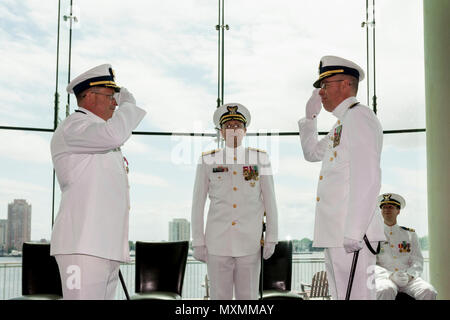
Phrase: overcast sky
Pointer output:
(165, 53)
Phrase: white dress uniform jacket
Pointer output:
(237, 206)
(94, 208)
(350, 178)
(401, 251)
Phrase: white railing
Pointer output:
(303, 269)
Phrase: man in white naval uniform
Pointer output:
(400, 261)
(350, 177)
(90, 234)
(240, 186)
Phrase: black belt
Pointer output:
(370, 247)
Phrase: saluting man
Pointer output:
(90, 234)
(240, 186)
(400, 262)
(350, 177)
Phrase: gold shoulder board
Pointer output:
(257, 150)
(209, 152)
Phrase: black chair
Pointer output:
(160, 268)
(40, 273)
(277, 274)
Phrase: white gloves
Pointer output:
(201, 253)
(269, 248)
(124, 96)
(400, 278)
(314, 105)
(351, 245)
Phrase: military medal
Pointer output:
(251, 173)
(337, 136)
(404, 247)
(246, 173)
(125, 164)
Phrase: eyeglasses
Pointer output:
(324, 85)
(233, 126)
(110, 96)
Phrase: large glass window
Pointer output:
(166, 54)
(28, 33)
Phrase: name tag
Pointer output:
(220, 169)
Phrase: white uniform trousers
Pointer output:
(338, 264)
(417, 288)
(87, 277)
(242, 273)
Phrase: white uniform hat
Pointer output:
(392, 198)
(231, 111)
(331, 65)
(100, 76)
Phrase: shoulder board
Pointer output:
(210, 152)
(257, 150)
(408, 229)
(353, 105)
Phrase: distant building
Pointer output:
(3, 235)
(179, 230)
(19, 224)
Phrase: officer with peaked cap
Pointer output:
(350, 177)
(400, 261)
(90, 234)
(240, 186)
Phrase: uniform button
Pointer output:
(396, 269)
(219, 177)
(321, 177)
(234, 206)
(331, 159)
(335, 154)
(392, 245)
(390, 232)
(234, 172)
(318, 198)
(339, 121)
(234, 188)
(235, 158)
(233, 223)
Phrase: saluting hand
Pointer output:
(124, 96)
(314, 105)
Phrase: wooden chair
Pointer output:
(318, 287)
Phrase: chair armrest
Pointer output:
(303, 285)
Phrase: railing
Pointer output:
(303, 269)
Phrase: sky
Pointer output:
(165, 53)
